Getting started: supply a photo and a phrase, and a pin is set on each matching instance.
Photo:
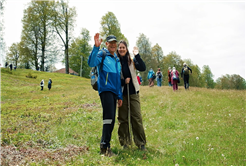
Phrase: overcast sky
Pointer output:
(209, 33)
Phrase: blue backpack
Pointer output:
(94, 73)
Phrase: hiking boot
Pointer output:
(103, 151)
(142, 148)
(109, 153)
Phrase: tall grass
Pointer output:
(63, 126)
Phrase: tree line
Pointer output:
(47, 28)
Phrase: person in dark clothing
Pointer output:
(130, 81)
(11, 66)
(6, 64)
(109, 86)
(185, 75)
(169, 76)
(159, 77)
(49, 83)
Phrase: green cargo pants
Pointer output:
(136, 122)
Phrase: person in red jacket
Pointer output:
(174, 77)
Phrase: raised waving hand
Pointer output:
(97, 40)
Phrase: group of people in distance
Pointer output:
(173, 77)
(10, 66)
(118, 84)
(49, 84)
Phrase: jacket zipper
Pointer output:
(106, 79)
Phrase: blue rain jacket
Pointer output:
(150, 74)
(109, 78)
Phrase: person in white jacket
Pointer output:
(130, 90)
(42, 84)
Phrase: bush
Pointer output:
(29, 75)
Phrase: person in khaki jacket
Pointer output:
(129, 80)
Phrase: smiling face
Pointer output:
(112, 46)
(122, 49)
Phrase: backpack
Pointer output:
(174, 76)
(186, 70)
(159, 75)
(153, 76)
(49, 83)
(94, 73)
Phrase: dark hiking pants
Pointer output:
(136, 122)
(108, 100)
(186, 81)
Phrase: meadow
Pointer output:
(63, 126)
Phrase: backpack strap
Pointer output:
(103, 57)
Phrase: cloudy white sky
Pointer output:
(207, 32)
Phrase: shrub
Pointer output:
(29, 75)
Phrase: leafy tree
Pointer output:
(37, 35)
(207, 77)
(158, 55)
(196, 78)
(43, 10)
(231, 82)
(63, 22)
(13, 54)
(79, 52)
(110, 26)
(30, 38)
(145, 51)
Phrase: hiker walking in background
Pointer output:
(169, 76)
(6, 64)
(174, 78)
(109, 86)
(14, 67)
(42, 84)
(11, 66)
(131, 100)
(185, 75)
(151, 77)
(49, 83)
(159, 77)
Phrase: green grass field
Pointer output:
(63, 126)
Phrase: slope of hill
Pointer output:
(63, 126)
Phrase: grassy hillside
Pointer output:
(63, 126)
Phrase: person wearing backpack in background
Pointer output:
(174, 78)
(49, 83)
(159, 77)
(151, 77)
(42, 84)
(169, 76)
(109, 87)
(11, 66)
(185, 75)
